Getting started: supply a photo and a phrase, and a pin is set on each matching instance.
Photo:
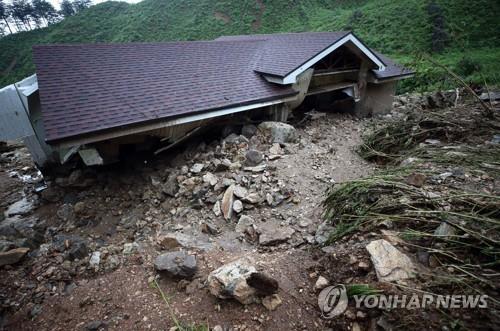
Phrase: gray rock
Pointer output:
(253, 157)
(279, 132)
(444, 230)
(321, 283)
(197, 168)
(323, 232)
(240, 192)
(13, 256)
(95, 325)
(210, 179)
(243, 223)
(230, 281)
(217, 209)
(252, 198)
(237, 206)
(170, 187)
(65, 212)
(248, 130)
(78, 250)
(272, 233)
(272, 302)
(95, 259)
(390, 264)
(227, 202)
(130, 248)
(233, 138)
(79, 208)
(177, 264)
(174, 240)
(6, 245)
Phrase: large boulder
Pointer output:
(279, 132)
(177, 264)
(13, 256)
(271, 233)
(230, 281)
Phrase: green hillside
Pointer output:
(401, 29)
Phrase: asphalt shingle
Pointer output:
(90, 88)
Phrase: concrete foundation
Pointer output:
(377, 99)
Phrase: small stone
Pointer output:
(237, 206)
(444, 230)
(416, 179)
(130, 248)
(209, 228)
(240, 192)
(216, 209)
(363, 266)
(95, 259)
(243, 223)
(259, 168)
(170, 187)
(177, 264)
(272, 302)
(272, 234)
(78, 250)
(321, 283)
(276, 149)
(95, 325)
(197, 168)
(252, 198)
(253, 157)
(210, 178)
(79, 208)
(248, 130)
(227, 202)
(13, 256)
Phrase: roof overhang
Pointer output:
(291, 78)
(376, 80)
(146, 127)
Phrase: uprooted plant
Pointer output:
(452, 213)
(388, 144)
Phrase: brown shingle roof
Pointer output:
(285, 52)
(94, 87)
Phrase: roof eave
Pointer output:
(291, 77)
(145, 126)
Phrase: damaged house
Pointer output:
(94, 101)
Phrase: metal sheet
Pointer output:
(36, 150)
(14, 122)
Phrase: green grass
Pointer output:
(401, 29)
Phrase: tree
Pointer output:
(21, 12)
(42, 9)
(79, 5)
(4, 14)
(67, 8)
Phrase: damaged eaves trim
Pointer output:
(158, 125)
(391, 79)
(291, 78)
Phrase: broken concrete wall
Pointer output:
(376, 99)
